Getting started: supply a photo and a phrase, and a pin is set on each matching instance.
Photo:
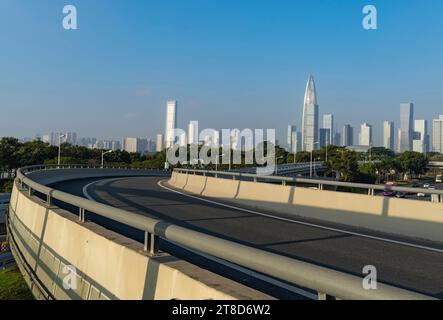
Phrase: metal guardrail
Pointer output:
(324, 281)
(320, 183)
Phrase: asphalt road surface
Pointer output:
(406, 263)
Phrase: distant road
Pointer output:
(407, 263)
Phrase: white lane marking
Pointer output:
(85, 188)
(160, 184)
(252, 273)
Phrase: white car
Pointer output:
(426, 185)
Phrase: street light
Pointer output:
(60, 136)
(276, 164)
(103, 156)
(312, 150)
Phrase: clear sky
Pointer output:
(229, 63)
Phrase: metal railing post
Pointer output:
(82, 215)
(151, 243)
(324, 296)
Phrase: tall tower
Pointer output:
(310, 118)
(193, 132)
(421, 137)
(406, 130)
(437, 135)
(388, 135)
(171, 122)
(348, 136)
(328, 123)
(365, 135)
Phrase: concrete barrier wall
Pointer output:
(47, 177)
(405, 217)
(108, 266)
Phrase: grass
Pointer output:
(13, 286)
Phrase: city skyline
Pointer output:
(123, 94)
(414, 131)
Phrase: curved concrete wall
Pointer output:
(45, 240)
(412, 218)
(47, 177)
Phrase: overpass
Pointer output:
(224, 237)
(291, 169)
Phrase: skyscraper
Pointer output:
(406, 131)
(437, 135)
(193, 132)
(365, 135)
(328, 123)
(388, 135)
(159, 144)
(310, 117)
(292, 139)
(348, 135)
(324, 137)
(133, 145)
(421, 137)
(171, 122)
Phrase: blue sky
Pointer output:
(229, 63)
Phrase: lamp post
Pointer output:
(103, 156)
(60, 136)
(276, 164)
(312, 150)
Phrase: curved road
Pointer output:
(406, 263)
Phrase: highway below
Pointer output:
(406, 263)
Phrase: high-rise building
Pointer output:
(406, 131)
(328, 123)
(324, 137)
(437, 134)
(421, 137)
(49, 138)
(337, 139)
(171, 122)
(134, 145)
(388, 135)
(292, 139)
(159, 143)
(348, 135)
(183, 141)
(71, 138)
(310, 117)
(365, 136)
(193, 132)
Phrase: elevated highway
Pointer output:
(402, 262)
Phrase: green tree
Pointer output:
(34, 152)
(413, 162)
(344, 164)
(8, 148)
